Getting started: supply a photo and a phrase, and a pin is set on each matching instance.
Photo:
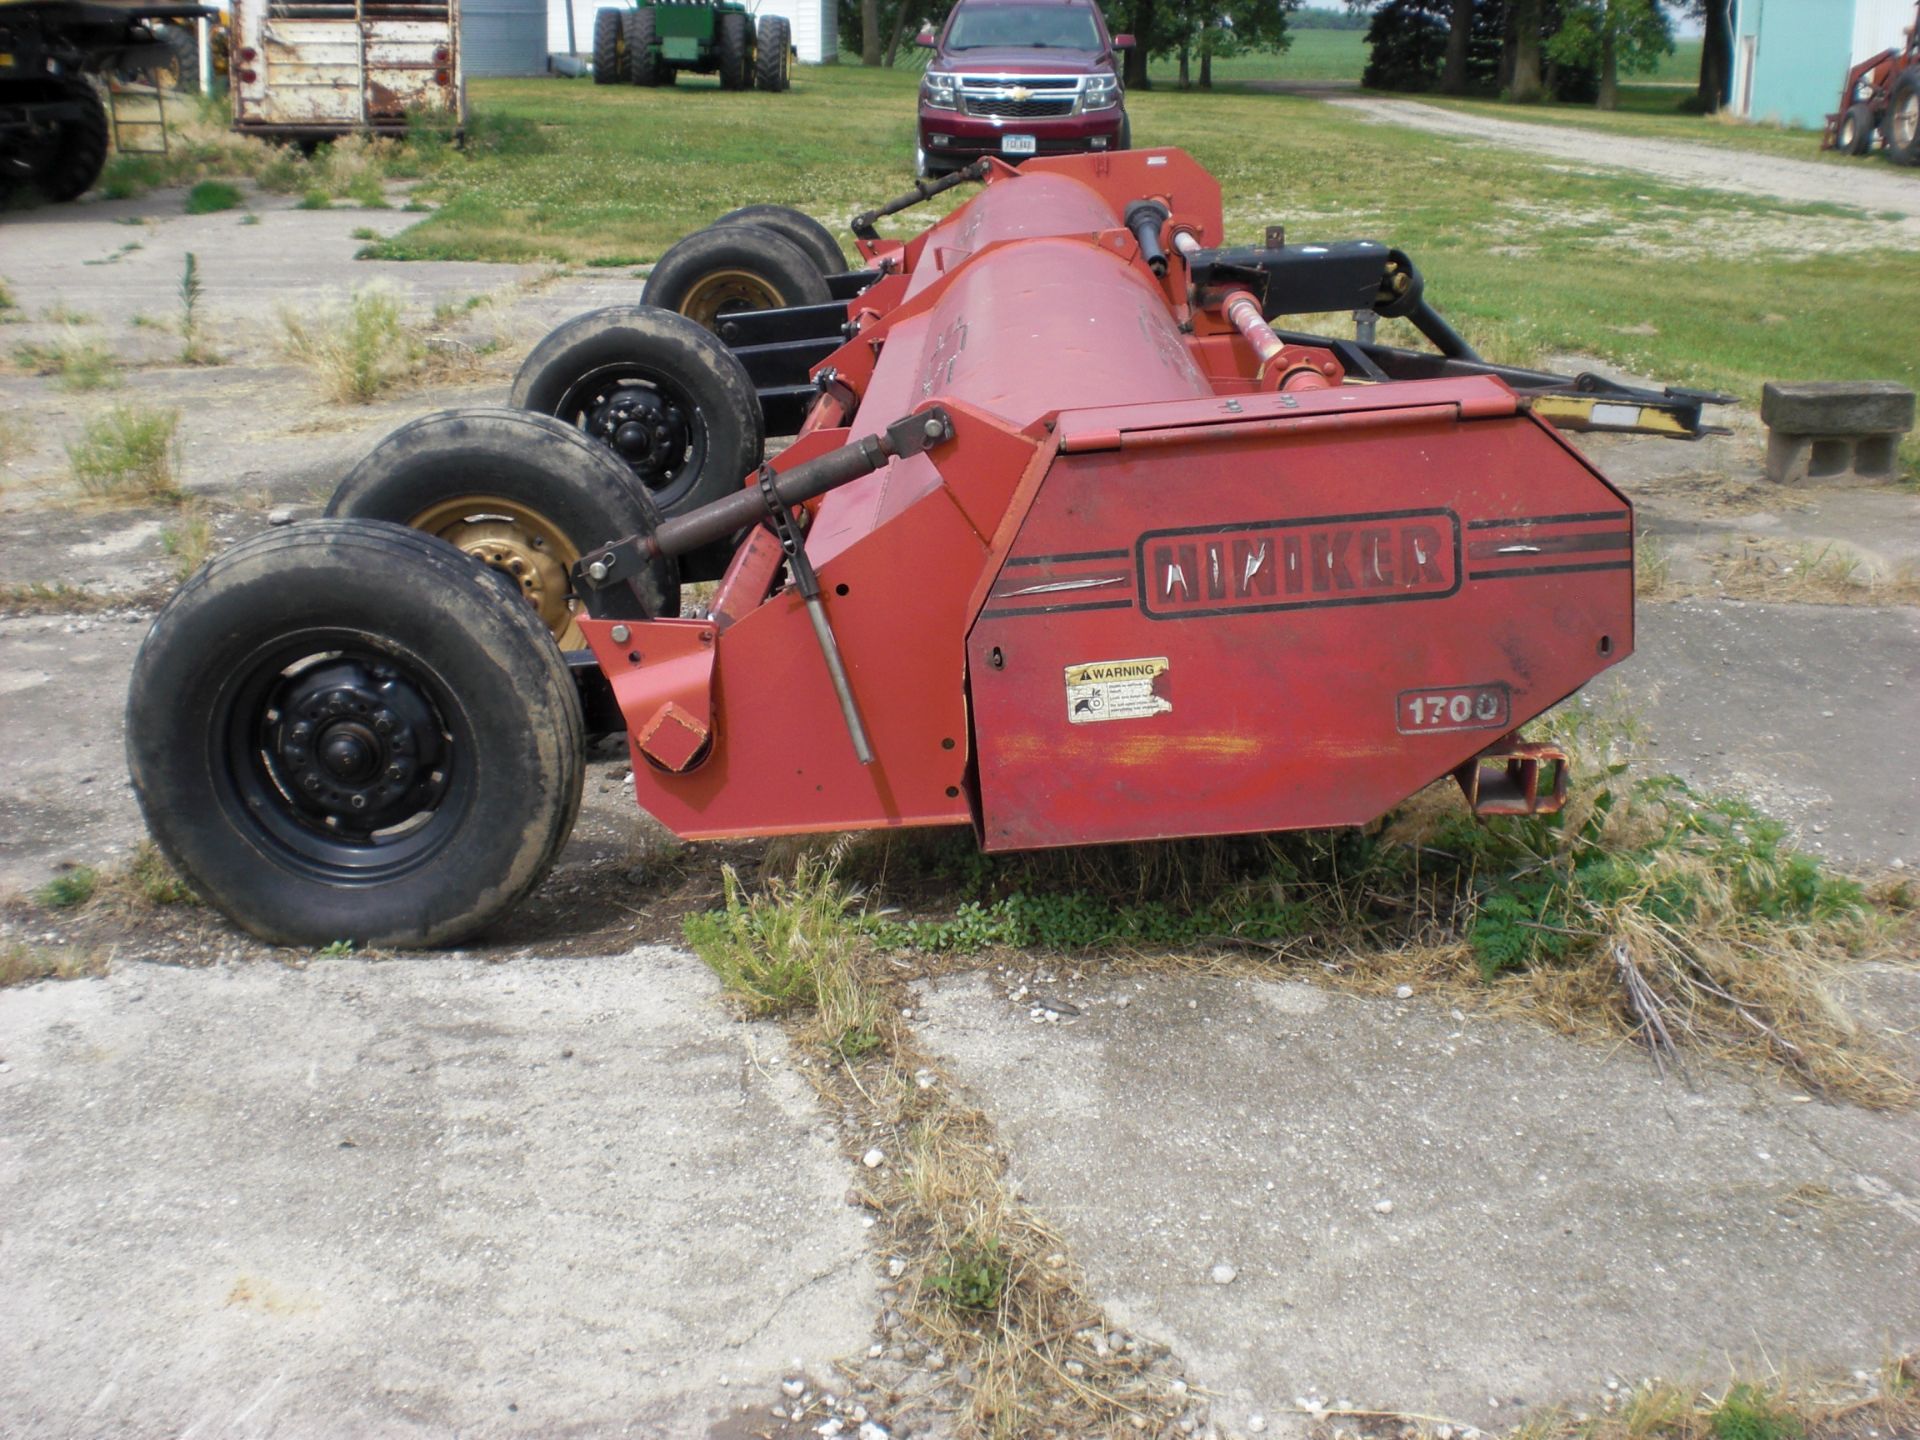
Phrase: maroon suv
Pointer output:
(1015, 78)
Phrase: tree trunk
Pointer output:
(1716, 57)
(1526, 51)
(900, 14)
(1453, 78)
(1185, 49)
(869, 32)
(1206, 67)
(1134, 68)
(1609, 68)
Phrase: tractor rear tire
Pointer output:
(609, 47)
(1902, 123)
(644, 66)
(773, 57)
(671, 401)
(348, 730)
(734, 42)
(64, 165)
(726, 268)
(1856, 131)
(802, 229)
(522, 493)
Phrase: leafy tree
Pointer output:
(1611, 36)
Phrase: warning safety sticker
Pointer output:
(1117, 690)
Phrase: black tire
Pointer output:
(1856, 131)
(803, 230)
(726, 268)
(182, 72)
(773, 54)
(64, 159)
(522, 493)
(1901, 125)
(609, 47)
(643, 60)
(688, 393)
(1126, 133)
(424, 690)
(733, 40)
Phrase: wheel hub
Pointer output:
(524, 560)
(358, 746)
(644, 427)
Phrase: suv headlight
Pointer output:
(941, 92)
(1101, 92)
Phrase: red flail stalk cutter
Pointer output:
(1076, 543)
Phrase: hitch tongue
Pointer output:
(1504, 778)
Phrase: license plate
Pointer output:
(1018, 145)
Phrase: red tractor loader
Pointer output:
(1074, 544)
(1881, 97)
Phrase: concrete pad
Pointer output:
(1813, 711)
(431, 1196)
(63, 697)
(1429, 1211)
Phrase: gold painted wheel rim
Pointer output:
(724, 291)
(520, 543)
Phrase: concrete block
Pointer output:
(1837, 407)
(1837, 432)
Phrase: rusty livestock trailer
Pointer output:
(1072, 546)
(317, 69)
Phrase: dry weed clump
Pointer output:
(359, 350)
(127, 456)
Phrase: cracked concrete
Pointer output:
(418, 1197)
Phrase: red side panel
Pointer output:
(1197, 631)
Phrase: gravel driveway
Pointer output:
(1871, 186)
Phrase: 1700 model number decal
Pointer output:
(1453, 707)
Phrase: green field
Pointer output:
(1342, 55)
(1530, 260)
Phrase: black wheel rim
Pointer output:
(648, 420)
(341, 756)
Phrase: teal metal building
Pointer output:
(1790, 56)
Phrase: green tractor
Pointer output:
(650, 44)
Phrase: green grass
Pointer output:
(211, 196)
(70, 889)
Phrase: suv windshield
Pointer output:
(980, 27)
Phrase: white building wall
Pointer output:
(816, 25)
(1879, 25)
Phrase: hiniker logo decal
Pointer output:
(1367, 559)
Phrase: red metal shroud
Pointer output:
(1135, 597)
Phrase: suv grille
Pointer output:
(1020, 109)
(1020, 97)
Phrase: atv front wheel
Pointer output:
(348, 730)
(523, 494)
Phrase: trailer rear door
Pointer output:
(330, 67)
